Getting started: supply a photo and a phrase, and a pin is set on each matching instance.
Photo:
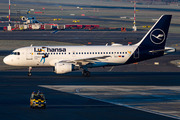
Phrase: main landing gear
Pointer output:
(86, 73)
(29, 73)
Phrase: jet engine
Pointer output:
(23, 18)
(61, 68)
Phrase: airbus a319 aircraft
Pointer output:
(66, 59)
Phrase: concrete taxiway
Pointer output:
(142, 91)
(104, 95)
(83, 37)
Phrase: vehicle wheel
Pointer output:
(44, 107)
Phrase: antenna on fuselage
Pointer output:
(31, 45)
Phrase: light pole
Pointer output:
(9, 27)
(134, 27)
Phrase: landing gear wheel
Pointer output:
(86, 73)
(83, 72)
(29, 74)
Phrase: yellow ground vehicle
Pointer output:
(37, 100)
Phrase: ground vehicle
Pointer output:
(37, 100)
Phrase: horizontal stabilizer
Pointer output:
(167, 50)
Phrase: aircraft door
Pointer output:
(136, 53)
(73, 53)
(29, 53)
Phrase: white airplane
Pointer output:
(66, 59)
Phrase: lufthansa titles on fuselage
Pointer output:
(49, 49)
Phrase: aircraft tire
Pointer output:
(86, 73)
(29, 74)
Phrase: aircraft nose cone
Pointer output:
(6, 60)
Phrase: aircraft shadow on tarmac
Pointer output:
(99, 78)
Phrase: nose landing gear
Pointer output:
(29, 73)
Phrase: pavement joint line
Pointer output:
(129, 106)
(115, 103)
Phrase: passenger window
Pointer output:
(117, 52)
(106, 52)
(76, 52)
(69, 53)
(95, 52)
(65, 53)
(120, 52)
(125, 52)
(109, 52)
(87, 52)
(112, 52)
(84, 52)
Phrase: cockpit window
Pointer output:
(15, 53)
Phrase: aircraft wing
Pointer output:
(84, 61)
(92, 58)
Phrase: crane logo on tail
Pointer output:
(157, 36)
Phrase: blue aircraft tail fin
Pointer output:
(156, 36)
